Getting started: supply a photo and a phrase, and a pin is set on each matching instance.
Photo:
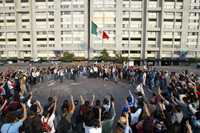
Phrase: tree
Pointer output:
(119, 58)
(104, 55)
(67, 57)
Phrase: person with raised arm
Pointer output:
(13, 124)
(48, 119)
(65, 124)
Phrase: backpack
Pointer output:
(45, 126)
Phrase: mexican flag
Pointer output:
(96, 31)
(8, 86)
(7, 89)
(105, 35)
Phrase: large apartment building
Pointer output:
(139, 29)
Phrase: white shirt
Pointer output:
(50, 122)
(61, 73)
(144, 78)
(28, 103)
(37, 73)
(113, 70)
(92, 129)
(91, 70)
(34, 74)
(135, 116)
(95, 69)
(127, 129)
(139, 88)
(55, 71)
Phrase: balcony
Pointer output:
(166, 26)
(153, 4)
(179, 5)
(151, 55)
(41, 7)
(126, 4)
(136, 5)
(178, 26)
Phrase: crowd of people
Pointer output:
(157, 102)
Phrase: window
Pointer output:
(167, 39)
(12, 40)
(125, 39)
(39, 0)
(52, 26)
(24, 1)
(124, 51)
(11, 21)
(51, 19)
(177, 39)
(149, 52)
(25, 20)
(51, 13)
(9, 1)
(51, 39)
(135, 52)
(125, 19)
(41, 39)
(40, 20)
(26, 39)
(151, 39)
(135, 39)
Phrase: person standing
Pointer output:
(13, 125)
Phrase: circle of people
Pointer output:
(157, 102)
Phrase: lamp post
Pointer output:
(88, 50)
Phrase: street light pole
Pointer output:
(88, 50)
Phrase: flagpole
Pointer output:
(102, 38)
(88, 50)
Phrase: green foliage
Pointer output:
(43, 59)
(104, 55)
(67, 57)
(95, 58)
(79, 58)
(119, 58)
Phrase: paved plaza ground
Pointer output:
(88, 86)
(83, 86)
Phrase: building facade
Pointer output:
(138, 29)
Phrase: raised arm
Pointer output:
(146, 109)
(41, 110)
(55, 105)
(189, 128)
(72, 103)
(93, 98)
(24, 112)
(100, 115)
(130, 93)
(82, 100)
(4, 104)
